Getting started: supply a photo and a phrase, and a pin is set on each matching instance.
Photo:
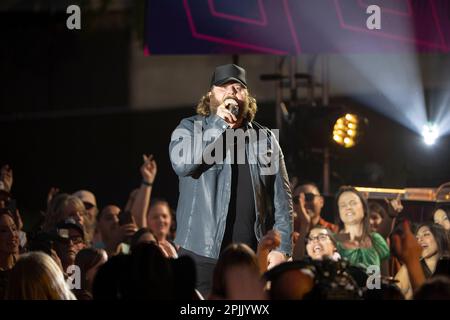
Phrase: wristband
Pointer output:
(148, 184)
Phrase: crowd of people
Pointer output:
(243, 230)
(82, 251)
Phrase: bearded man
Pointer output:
(233, 184)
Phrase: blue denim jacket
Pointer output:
(205, 189)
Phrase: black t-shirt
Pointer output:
(241, 215)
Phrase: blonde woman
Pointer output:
(36, 276)
(61, 207)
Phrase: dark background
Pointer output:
(102, 153)
(66, 122)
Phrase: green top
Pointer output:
(364, 257)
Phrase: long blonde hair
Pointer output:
(203, 106)
(36, 276)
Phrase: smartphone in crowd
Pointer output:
(125, 217)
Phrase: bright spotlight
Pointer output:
(328, 126)
(430, 133)
(346, 130)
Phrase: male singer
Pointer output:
(233, 183)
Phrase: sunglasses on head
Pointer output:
(308, 197)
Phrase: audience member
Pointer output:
(355, 242)
(9, 247)
(89, 260)
(36, 276)
(91, 210)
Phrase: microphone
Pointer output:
(232, 106)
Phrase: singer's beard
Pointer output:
(214, 103)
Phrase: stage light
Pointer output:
(430, 133)
(327, 126)
(345, 130)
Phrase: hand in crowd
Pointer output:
(304, 220)
(6, 176)
(51, 194)
(409, 252)
(18, 219)
(121, 233)
(148, 168)
(275, 258)
(394, 206)
(270, 241)
(295, 181)
(304, 217)
(295, 237)
(406, 246)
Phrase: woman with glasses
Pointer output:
(317, 243)
(355, 241)
(320, 243)
(308, 204)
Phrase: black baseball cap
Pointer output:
(66, 224)
(226, 73)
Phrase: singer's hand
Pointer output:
(232, 106)
(230, 118)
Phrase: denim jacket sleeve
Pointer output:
(284, 218)
(188, 145)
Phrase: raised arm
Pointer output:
(409, 252)
(305, 225)
(198, 138)
(141, 202)
(395, 207)
(269, 242)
